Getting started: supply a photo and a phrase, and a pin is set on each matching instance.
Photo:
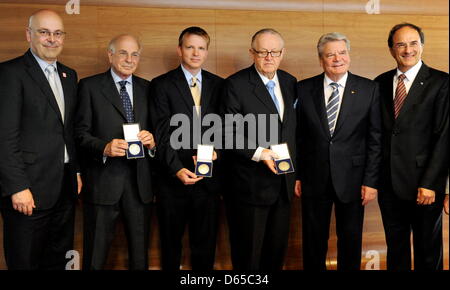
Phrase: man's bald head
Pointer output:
(37, 16)
(45, 33)
(124, 54)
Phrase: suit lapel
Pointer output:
(261, 91)
(36, 73)
(67, 91)
(109, 91)
(286, 97)
(206, 93)
(180, 82)
(387, 96)
(415, 91)
(349, 96)
(319, 103)
(138, 100)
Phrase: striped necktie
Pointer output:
(400, 95)
(332, 107)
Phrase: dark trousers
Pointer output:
(400, 217)
(40, 241)
(196, 207)
(100, 223)
(260, 234)
(316, 214)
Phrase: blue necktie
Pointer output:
(126, 102)
(332, 107)
(270, 86)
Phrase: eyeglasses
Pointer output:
(265, 53)
(44, 33)
(403, 45)
(124, 54)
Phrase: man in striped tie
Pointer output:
(415, 120)
(338, 138)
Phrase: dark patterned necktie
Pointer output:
(332, 107)
(126, 102)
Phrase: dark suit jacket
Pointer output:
(352, 156)
(99, 119)
(32, 132)
(171, 95)
(252, 182)
(416, 144)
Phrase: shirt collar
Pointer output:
(42, 63)
(340, 82)
(412, 72)
(266, 79)
(189, 76)
(117, 79)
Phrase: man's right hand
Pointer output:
(23, 202)
(116, 148)
(298, 188)
(267, 156)
(187, 177)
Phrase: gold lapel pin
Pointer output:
(353, 92)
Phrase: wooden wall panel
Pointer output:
(412, 7)
(230, 30)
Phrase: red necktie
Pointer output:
(400, 95)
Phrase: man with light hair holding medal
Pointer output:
(112, 128)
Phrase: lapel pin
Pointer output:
(64, 75)
(353, 92)
(421, 83)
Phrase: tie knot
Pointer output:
(193, 81)
(270, 85)
(335, 86)
(122, 84)
(50, 69)
(401, 77)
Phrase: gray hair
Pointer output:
(266, 30)
(329, 37)
(112, 43)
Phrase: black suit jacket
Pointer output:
(351, 158)
(99, 119)
(416, 144)
(171, 95)
(32, 132)
(252, 182)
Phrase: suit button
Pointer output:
(331, 142)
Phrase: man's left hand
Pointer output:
(79, 183)
(425, 196)
(368, 194)
(147, 139)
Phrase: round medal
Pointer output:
(134, 149)
(284, 166)
(203, 169)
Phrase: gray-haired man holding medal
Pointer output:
(112, 129)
